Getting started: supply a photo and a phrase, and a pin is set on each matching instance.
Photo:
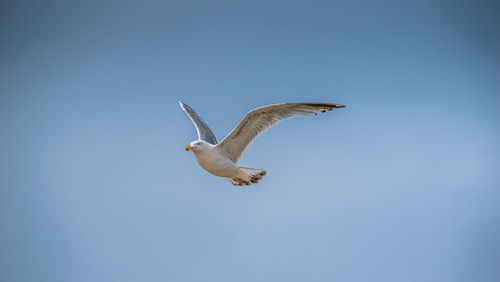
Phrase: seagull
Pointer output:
(221, 158)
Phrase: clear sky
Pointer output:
(401, 185)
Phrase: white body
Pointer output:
(214, 162)
(217, 163)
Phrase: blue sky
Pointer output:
(402, 185)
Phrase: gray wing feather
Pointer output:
(259, 120)
(204, 132)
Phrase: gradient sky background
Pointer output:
(402, 185)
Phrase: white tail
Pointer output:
(247, 176)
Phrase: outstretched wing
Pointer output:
(260, 119)
(204, 132)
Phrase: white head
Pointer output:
(198, 145)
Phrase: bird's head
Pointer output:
(198, 145)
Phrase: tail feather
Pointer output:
(247, 176)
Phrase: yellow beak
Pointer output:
(189, 147)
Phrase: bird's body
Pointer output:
(217, 163)
(214, 162)
(220, 158)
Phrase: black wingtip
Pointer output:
(329, 106)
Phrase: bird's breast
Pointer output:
(215, 163)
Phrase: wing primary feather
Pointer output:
(203, 130)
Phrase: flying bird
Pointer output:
(220, 158)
